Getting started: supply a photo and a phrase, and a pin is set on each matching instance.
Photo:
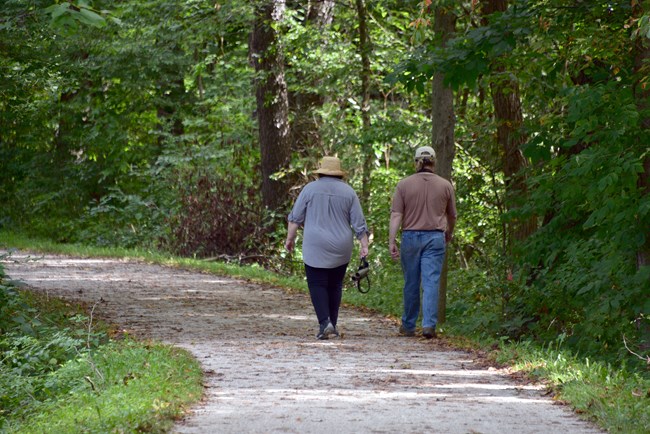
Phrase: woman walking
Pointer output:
(329, 211)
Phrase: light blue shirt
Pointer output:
(330, 212)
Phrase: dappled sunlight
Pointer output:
(455, 372)
(358, 320)
(367, 396)
(282, 316)
(67, 263)
(111, 278)
(73, 277)
(198, 314)
(483, 386)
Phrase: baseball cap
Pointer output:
(425, 152)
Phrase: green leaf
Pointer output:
(89, 17)
(58, 10)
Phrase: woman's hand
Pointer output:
(363, 251)
(292, 233)
(363, 245)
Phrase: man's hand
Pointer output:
(395, 223)
(448, 237)
(394, 250)
(289, 245)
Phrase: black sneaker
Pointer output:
(429, 332)
(326, 330)
(405, 332)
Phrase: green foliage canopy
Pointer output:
(127, 123)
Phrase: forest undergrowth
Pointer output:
(61, 371)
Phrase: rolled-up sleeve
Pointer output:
(299, 210)
(357, 219)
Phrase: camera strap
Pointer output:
(362, 273)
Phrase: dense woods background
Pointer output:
(190, 126)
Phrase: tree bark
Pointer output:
(364, 49)
(509, 119)
(320, 12)
(443, 123)
(272, 100)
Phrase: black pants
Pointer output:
(326, 290)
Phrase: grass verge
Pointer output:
(616, 399)
(122, 387)
(60, 372)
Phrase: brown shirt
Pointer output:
(425, 200)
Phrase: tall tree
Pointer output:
(443, 122)
(641, 53)
(272, 99)
(509, 119)
(364, 50)
(320, 12)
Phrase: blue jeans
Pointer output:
(422, 254)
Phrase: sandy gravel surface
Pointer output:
(266, 372)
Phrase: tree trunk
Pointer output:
(272, 100)
(642, 96)
(306, 123)
(364, 49)
(442, 137)
(320, 12)
(509, 120)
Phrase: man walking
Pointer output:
(424, 206)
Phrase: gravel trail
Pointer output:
(266, 372)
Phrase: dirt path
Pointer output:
(266, 373)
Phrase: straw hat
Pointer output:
(330, 166)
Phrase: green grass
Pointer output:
(618, 399)
(123, 387)
(61, 373)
